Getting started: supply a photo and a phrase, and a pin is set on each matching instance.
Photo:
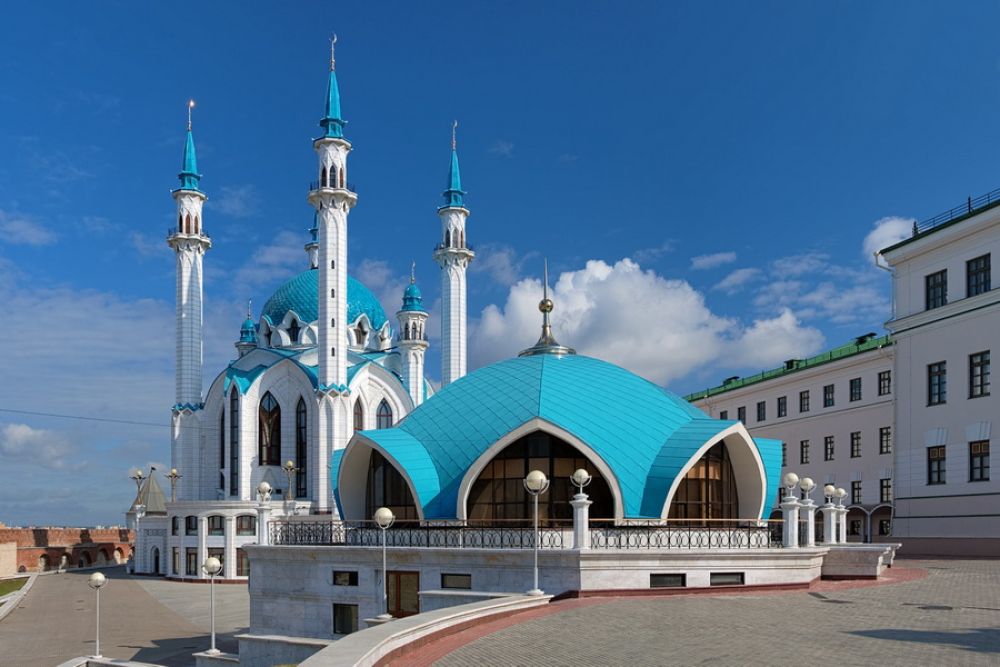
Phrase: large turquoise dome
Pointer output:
(301, 294)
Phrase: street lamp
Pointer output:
(173, 477)
(140, 511)
(790, 480)
(383, 519)
(290, 471)
(536, 483)
(137, 477)
(829, 491)
(580, 479)
(212, 566)
(96, 581)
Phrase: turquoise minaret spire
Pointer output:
(189, 166)
(453, 195)
(332, 123)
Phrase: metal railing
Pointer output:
(442, 246)
(689, 535)
(174, 231)
(314, 185)
(971, 205)
(443, 535)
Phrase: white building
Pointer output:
(833, 414)
(946, 321)
(321, 362)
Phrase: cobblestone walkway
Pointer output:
(951, 617)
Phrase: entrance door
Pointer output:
(402, 588)
(156, 561)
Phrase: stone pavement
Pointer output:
(951, 617)
(149, 620)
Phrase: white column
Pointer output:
(790, 512)
(581, 521)
(809, 516)
(829, 523)
(263, 513)
(842, 512)
(230, 570)
(453, 256)
(202, 543)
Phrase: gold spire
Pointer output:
(547, 343)
(190, 106)
(454, 142)
(333, 60)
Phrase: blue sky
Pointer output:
(704, 179)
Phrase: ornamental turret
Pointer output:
(453, 255)
(413, 339)
(248, 335)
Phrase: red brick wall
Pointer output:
(92, 546)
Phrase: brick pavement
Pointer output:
(951, 617)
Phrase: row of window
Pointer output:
(979, 378)
(246, 524)
(977, 281)
(979, 462)
(191, 561)
(829, 398)
(884, 446)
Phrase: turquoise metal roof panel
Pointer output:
(770, 454)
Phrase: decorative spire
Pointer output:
(189, 175)
(249, 309)
(332, 122)
(453, 196)
(413, 272)
(546, 344)
(412, 298)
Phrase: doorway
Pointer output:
(402, 590)
(156, 561)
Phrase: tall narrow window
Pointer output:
(784, 455)
(359, 416)
(269, 432)
(222, 448)
(977, 273)
(804, 452)
(293, 332)
(761, 411)
(828, 448)
(979, 374)
(741, 414)
(855, 389)
(384, 415)
(937, 383)
(885, 440)
(782, 406)
(884, 382)
(935, 465)
(856, 497)
(234, 442)
(828, 396)
(979, 461)
(936, 289)
(855, 444)
(301, 447)
(804, 401)
(885, 490)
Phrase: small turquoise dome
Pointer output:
(412, 299)
(301, 294)
(248, 332)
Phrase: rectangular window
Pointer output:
(191, 561)
(190, 525)
(937, 383)
(936, 289)
(854, 527)
(724, 414)
(979, 461)
(345, 618)
(246, 525)
(828, 448)
(855, 444)
(784, 455)
(175, 523)
(175, 565)
(804, 452)
(884, 382)
(345, 578)
(725, 579)
(221, 555)
(977, 272)
(856, 493)
(885, 490)
(782, 406)
(855, 389)
(885, 440)
(884, 527)
(935, 465)
(979, 374)
(761, 411)
(242, 563)
(460, 581)
(215, 525)
(804, 401)
(667, 580)
(828, 396)
(741, 415)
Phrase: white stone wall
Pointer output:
(453, 265)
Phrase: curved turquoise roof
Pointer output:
(643, 433)
(301, 294)
(412, 299)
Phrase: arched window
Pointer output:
(384, 415)
(359, 416)
(387, 488)
(322, 177)
(234, 442)
(222, 447)
(708, 490)
(360, 334)
(300, 449)
(293, 331)
(269, 432)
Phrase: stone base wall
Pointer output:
(8, 559)
(951, 547)
(40, 549)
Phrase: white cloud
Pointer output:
(20, 443)
(146, 245)
(737, 280)
(654, 326)
(281, 257)
(885, 232)
(812, 263)
(645, 255)
(502, 147)
(237, 201)
(713, 260)
(388, 286)
(500, 262)
(19, 230)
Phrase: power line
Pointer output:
(106, 420)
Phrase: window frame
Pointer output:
(782, 407)
(741, 414)
(979, 461)
(885, 440)
(829, 395)
(936, 465)
(724, 414)
(855, 444)
(191, 525)
(803, 452)
(242, 520)
(857, 492)
(761, 411)
(804, 401)
(937, 383)
(977, 278)
(936, 289)
(828, 447)
(854, 393)
(885, 490)
(884, 383)
(341, 576)
(352, 624)
(458, 575)
(979, 374)
(212, 528)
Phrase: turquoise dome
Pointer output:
(412, 299)
(643, 433)
(301, 294)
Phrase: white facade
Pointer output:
(946, 505)
(453, 256)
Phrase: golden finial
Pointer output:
(190, 106)
(454, 142)
(545, 305)
(333, 60)
(546, 344)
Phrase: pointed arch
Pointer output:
(269, 431)
(322, 177)
(359, 416)
(301, 448)
(234, 442)
(383, 416)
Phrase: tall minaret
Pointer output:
(413, 339)
(453, 256)
(333, 200)
(190, 243)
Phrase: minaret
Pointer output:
(413, 339)
(190, 243)
(333, 200)
(248, 334)
(453, 256)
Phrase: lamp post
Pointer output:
(384, 518)
(807, 485)
(790, 511)
(581, 509)
(212, 566)
(96, 581)
(829, 515)
(137, 476)
(536, 483)
(842, 513)
(263, 507)
(290, 471)
(140, 511)
(173, 477)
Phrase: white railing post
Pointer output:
(581, 520)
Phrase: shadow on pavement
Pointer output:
(980, 640)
